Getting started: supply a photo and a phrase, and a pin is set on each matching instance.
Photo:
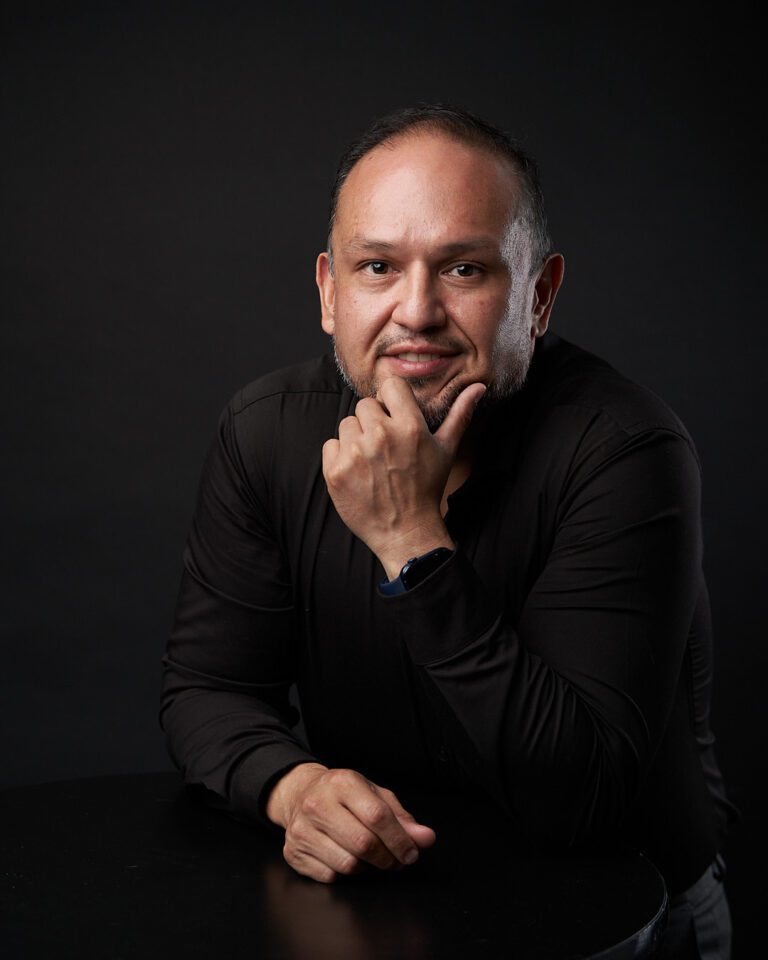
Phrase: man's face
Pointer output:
(431, 278)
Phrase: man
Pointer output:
(473, 546)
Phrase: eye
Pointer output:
(378, 267)
(464, 270)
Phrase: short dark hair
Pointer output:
(467, 128)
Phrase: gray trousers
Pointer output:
(699, 924)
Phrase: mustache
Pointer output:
(441, 343)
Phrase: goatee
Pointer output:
(435, 409)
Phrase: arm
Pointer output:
(227, 669)
(227, 672)
(559, 714)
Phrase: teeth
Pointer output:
(414, 357)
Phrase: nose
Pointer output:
(419, 305)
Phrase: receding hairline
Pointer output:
(438, 131)
(441, 130)
(435, 129)
(451, 123)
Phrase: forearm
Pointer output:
(557, 708)
(524, 732)
(231, 742)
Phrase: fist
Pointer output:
(336, 821)
(386, 472)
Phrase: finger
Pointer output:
(309, 866)
(459, 416)
(376, 814)
(355, 843)
(397, 396)
(421, 834)
(330, 455)
(333, 849)
(349, 429)
(370, 413)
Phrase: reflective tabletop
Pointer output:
(136, 866)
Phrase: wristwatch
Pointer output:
(414, 571)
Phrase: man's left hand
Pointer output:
(386, 473)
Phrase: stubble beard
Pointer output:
(511, 360)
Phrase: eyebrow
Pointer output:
(360, 244)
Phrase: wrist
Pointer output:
(282, 797)
(399, 552)
(416, 571)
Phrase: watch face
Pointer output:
(420, 568)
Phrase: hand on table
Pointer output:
(386, 473)
(337, 820)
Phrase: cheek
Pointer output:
(358, 320)
(484, 323)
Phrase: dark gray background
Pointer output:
(164, 193)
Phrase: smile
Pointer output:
(417, 357)
(412, 363)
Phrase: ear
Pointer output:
(544, 293)
(327, 287)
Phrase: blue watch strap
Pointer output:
(391, 588)
(414, 571)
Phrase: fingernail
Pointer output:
(411, 857)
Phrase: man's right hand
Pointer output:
(336, 820)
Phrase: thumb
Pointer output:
(422, 835)
(459, 417)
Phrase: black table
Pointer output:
(126, 867)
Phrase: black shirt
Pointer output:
(558, 665)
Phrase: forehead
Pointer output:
(428, 184)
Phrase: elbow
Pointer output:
(581, 800)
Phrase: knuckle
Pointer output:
(311, 806)
(289, 855)
(379, 434)
(364, 844)
(325, 875)
(342, 776)
(298, 832)
(376, 814)
(347, 864)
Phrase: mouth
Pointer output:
(417, 361)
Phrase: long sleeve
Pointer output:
(228, 667)
(560, 662)
(559, 713)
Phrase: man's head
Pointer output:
(439, 266)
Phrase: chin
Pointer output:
(435, 408)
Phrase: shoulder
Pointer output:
(575, 377)
(573, 385)
(316, 377)
(295, 400)
(276, 425)
(579, 419)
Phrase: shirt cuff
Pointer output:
(444, 613)
(254, 777)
